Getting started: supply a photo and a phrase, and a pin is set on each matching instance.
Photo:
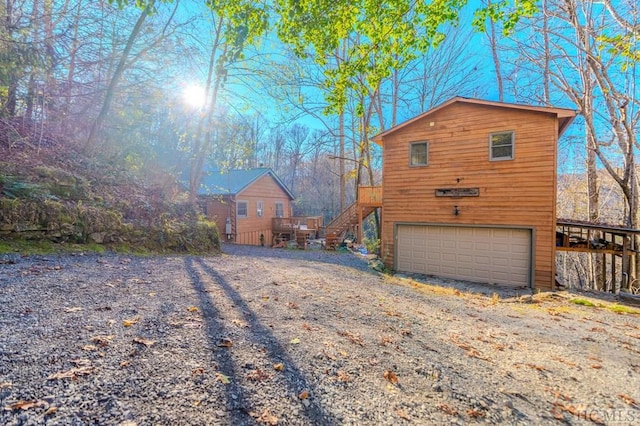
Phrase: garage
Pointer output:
(480, 254)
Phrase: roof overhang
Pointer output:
(565, 115)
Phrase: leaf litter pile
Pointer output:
(279, 337)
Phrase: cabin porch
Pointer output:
(299, 228)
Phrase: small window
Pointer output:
(259, 208)
(501, 146)
(419, 155)
(279, 209)
(242, 208)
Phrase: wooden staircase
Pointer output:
(351, 218)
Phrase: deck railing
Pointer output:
(370, 196)
(290, 224)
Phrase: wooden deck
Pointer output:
(600, 239)
(299, 228)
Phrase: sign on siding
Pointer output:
(458, 192)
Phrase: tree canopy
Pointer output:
(388, 34)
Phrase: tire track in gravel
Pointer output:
(202, 274)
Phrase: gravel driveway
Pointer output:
(274, 336)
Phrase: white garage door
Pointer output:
(487, 255)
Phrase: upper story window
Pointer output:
(279, 209)
(242, 209)
(501, 146)
(419, 154)
(259, 208)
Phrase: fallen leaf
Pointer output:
(391, 377)
(257, 375)
(6, 385)
(73, 373)
(152, 294)
(278, 367)
(81, 362)
(292, 305)
(628, 400)
(354, 338)
(225, 343)
(193, 309)
(125, 363)
(447, 409)
(143, 341)
(267, 418)
(130, 322)
(223, 379)
(402, 414)
(102, 341)
(71, 310)
(343, 376)
(51, 410)
(596, 366)
(89, 348)
(306, 327)
(473, 413)
(27, 405)
(536, 367)
(304, 394)
(295, 341)
(198, 371)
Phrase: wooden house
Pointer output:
(244, 204)
(469, 192)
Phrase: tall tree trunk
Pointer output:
(96, 127)
(547, 55)
(70, 80)
(493, 41)
(203, 146)
(12, 86)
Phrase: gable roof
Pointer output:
(565, 115)
(234, 182)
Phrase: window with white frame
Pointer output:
(242, 209)
(501, 146)
(419, 154)
(279, 209)
(259, 208)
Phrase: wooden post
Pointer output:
(625, 276)
(359, 224)
(604, 271)
(613, 271)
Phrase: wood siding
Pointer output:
(249, 228)
(218, 208)
(519, 192)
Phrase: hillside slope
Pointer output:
(54, 193)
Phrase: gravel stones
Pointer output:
(267, 336)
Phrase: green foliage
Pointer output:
(582, 302)
(378, 37)
(625, 46)
(372, 244)
(621, 309)
(505, 13)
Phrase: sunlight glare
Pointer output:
(194, 96)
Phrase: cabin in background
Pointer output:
(244, 203)
(469, 192)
